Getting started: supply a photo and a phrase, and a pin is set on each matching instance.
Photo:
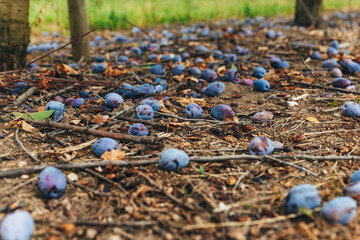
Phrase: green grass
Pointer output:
(106, 14)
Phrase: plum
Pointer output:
(144, 112)
(104, 144)
(52, 182)
(261, 146)
(301, 196)
(193, 110)
(173, 159)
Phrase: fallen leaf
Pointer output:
(114, 155)
(231, 139)
(64, 68)
(312, 119)
(231, 180)
(40, 116)
(27, 127)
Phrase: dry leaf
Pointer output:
(64, 68)
(230, 118)
(114, 155)
(231, 139)
(185, 101)
(312, 119)
(27, 127)
(75, 122)
(101, 118)
(68, 228)
(231, 180)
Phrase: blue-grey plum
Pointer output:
(261, 146)
(217, 54)
(330, 63)
(158, 69)
(220, 111)
(271, 34)
(214, 89)
(177, 58)
(336, 72)
(120, 39)
(248, 82)
(284, 64)
(98, 68)
(113, 100)
(230, 75)
(353, 189)
(195, 71)
(230, 58)
(152, 57)
(52, 182)
(136, 51)
(332, 52)
(158, 88)
(301, 196)
(138, 129)
(165, 57)
(185, 56)
(261, 85)
(335, 44)
(316, 55)
(210, 75)
(144, 112)
(193, 110)
(123, 59)
(84, 93)
(78, 102)
(351, 109)
(345, 62)
(263, 117)
(355, 176)
(173, 159)
(259, 72)
(123, 86)
(155, 104)
(162, 82)
(144, 46)
(100, 59)
(341, 210)
(353, 67)
(341, 83)
(178, 69)
(146, 90)
(130, 91)
(18, 225)
(201, 49)
(103, 145)
(275, 62)
(55, 105)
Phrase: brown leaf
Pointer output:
(27, 127)
(231, 180)
(114, 155)
(68, 228)
(64, 68)
(231, 139)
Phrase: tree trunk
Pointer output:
(14, 33)
(308, 12)
(79, 25)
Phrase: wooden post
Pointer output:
(79, 25)
(14, 33)
(308, 12)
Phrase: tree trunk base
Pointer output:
(308, 12)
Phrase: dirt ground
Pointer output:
(234, 199)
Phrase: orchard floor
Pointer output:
(233, 199)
